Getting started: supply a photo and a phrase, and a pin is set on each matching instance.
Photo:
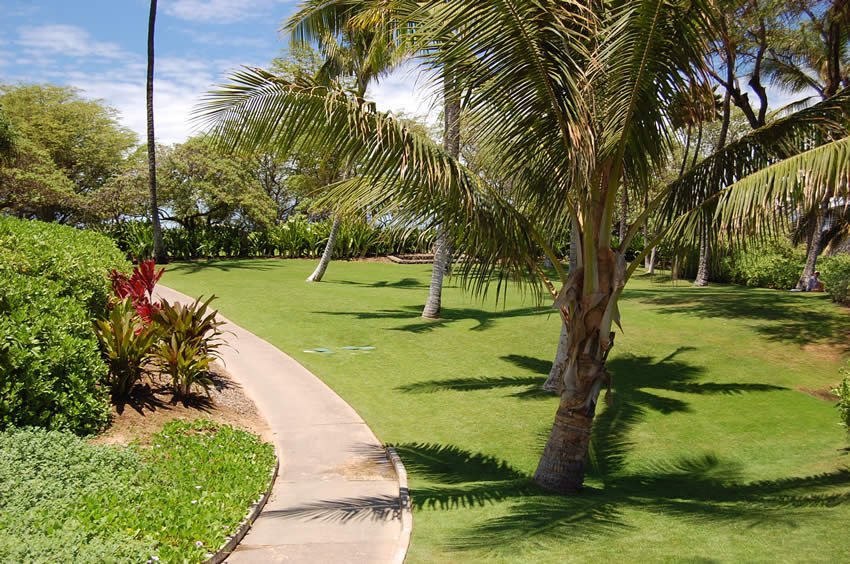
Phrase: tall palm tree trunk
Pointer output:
(158, 247)
(442, 256)
(562, 466)
(442, 248)
(814, 246)
(327, 254)
(702, 266)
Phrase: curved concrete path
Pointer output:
(336, 498)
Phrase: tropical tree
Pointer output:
(355, 52)
(158, 246)
(573, 100)
(810, 58)
(66, 149)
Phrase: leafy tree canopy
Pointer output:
(67, 148)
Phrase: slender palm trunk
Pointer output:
(814, 246)
(562, 466)
(158, 247)
(555, 381)
(442, 249)
(327, 254)
(624, 213)
(702, 268)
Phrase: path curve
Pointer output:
(336, 498)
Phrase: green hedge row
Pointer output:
(53, 283)
(295, 238)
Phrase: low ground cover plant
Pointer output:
(175, 499)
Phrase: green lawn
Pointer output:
(711, 451)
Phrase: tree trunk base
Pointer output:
(562, 466)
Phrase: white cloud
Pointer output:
(408, 91)
(220, 11)
(66, 40)
(178, 86)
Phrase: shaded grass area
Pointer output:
(710, 451)
(176, 500)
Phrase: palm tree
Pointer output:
(158, 246)
(324, 20)
(359, 52)
(572, 101)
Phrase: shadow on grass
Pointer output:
(783, 316)
(404, 283)
(697, 488)
(223, 265)
(484, 318)
(635, 378)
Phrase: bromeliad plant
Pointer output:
(190, 342)
(179, 341)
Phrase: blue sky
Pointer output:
(99, 46)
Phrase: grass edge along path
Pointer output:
(716, 447)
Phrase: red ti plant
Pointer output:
(138, 287)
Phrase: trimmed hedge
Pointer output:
(294, 238)
(53, 283)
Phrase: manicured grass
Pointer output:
(711, 451)
(65, 500)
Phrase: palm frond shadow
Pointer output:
(224, 265)
(403, 283)
(699, 487)
(345, 510)
(483, 317)
(780, 316)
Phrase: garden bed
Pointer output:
(168, 481)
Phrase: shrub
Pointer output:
(54, 283)
(768, 265)
(78, 261)
(842, 390)
(189, 343)
(50, 367)
(835, 273)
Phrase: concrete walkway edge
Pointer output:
(339, 495)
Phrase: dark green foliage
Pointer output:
(769, 265)
(842, 390)
(50, 367)
(836, 277)
(78, 261)
(69, 501)
(295, 238)
(53, 283)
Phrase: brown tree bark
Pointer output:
(159, 252)
(442, 249)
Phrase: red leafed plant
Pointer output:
(138, 287)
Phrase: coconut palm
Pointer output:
(812, 56)
(319, 20)
(352, 51)
(572, 101)
(158, 246)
